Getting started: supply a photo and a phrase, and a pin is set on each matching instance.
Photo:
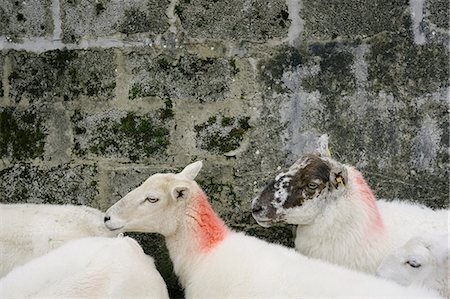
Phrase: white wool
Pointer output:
(422, 261)
(31, 230)
(233, 265)
(93, 267)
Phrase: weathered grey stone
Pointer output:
(179, 75)
(105, 18)
(399, 66)
(348, 18)
(64, 184)
(25, 19)
(438, 11)
(221, 134)
(22, 134)
(2, 61)
(62, 75)
(120, 134)
(435, 24)
(258, 20)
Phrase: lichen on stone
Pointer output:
(179, 75)
(62, 75)
(119, 134)
(23, 134)
(221, 134)
(63, 184)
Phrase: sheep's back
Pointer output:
(243, 266)
(86, 268)
(31, 230)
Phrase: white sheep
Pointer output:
(339, 220)
(30, 230)
(214, 262)
(422, 261)
(94, 267)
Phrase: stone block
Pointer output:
(438, 13)
(105, 18)
(118, 134)
(63, 184)
(179, 76)
(62, 75)
(22, 135)
(221, 134)
(25, 19)
(354, 19)
(2, 61)
(258, 20)
(401, 67)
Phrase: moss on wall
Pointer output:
(121, 134)
(221, 134)
(23, 134)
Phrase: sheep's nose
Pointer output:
(107, 218)
(257, 208)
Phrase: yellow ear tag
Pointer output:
(339, 180)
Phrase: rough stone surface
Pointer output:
(348, 18)
(23, 133)
(65, 184)
(179, 75)
(133, 88)
(20, 19)
(97, 19)
(62, 75)
(117, 134)
(2, 61)
(257, 20)
(439, 13)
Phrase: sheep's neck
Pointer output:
(208, 228)
(200, 230)
(355, 211)
(367, 196)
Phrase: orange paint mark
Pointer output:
(211, 229)
(369, 198)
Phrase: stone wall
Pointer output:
(95, 96)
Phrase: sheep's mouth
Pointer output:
(111, 228)
(265, 222)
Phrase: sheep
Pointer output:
(31, 230)
(213, 261)
(422, 261)
(93, 267)
(337, 216)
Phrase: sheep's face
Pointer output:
(155, 206)
(411, 264)
(300, 194)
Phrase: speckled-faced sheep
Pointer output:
(31, 230)
(422, 261)
(339, 220)
(93, 267)
(213, 261)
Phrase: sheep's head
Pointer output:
(300, 194)
(154, 206)
(417, 262)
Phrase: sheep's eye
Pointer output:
(151, 199)
(413, 264)
(313, 186)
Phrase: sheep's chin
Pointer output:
(265, 223)
(113, 227)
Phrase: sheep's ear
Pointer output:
(180, 192)
(191, 171)
(338, 176)
(322, 146)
